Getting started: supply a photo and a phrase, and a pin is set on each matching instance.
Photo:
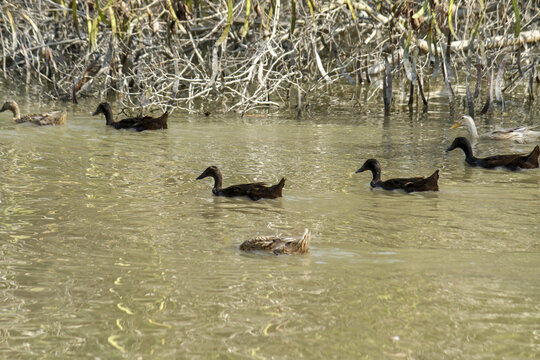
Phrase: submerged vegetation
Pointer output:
(204, 56)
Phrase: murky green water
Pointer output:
(109, 248)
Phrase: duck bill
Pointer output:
(202, 176)
(362, 169)
(455, 126)
(452, 147)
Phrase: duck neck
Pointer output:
(376, 176)
(15, 110)
(108, 115)
(217, 182)
(472, 129)
(467, 149)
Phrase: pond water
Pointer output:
(109, 248)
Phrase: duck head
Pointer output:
(102, 108)
(212, 171)
(461, 122)
(468, 122)
(460, 142)
(11, 106)
(8, 105)
(370, 164)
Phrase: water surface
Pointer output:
(109, 248)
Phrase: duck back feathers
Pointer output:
(55, 118)
(279, 245)
(262, 191)
(431, 183)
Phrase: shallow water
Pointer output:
(109, 248)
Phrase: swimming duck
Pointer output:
(55, 118)
(407, 184)
(254, 191)
(279, 245)
(521, 135)
(512, 162)
(137, 123)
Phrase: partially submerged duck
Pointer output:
(136, 123)
(254, 191)
(521, 135)
(54, 118)
(512, 161)
(279, 245)
(408, 184)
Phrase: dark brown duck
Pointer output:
(254, 191)
(279, 245)
(136, 123)
(407, 184)
(511, 161)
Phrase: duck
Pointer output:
(136, 123)
(511, 162)
(521, 135)
(407, 184)
(279, 245)
(255, 191)
(54, 118)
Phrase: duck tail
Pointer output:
(533, 156)
(535, 152)
(62, 118)
(163, 119)
(430, 183)
(433, 181)
(302, 246)
(279, 186)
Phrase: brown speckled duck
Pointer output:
(54, 118)
(279, 245)
(136, 123)
(407, 184)
(511, 162)
(254, 191)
